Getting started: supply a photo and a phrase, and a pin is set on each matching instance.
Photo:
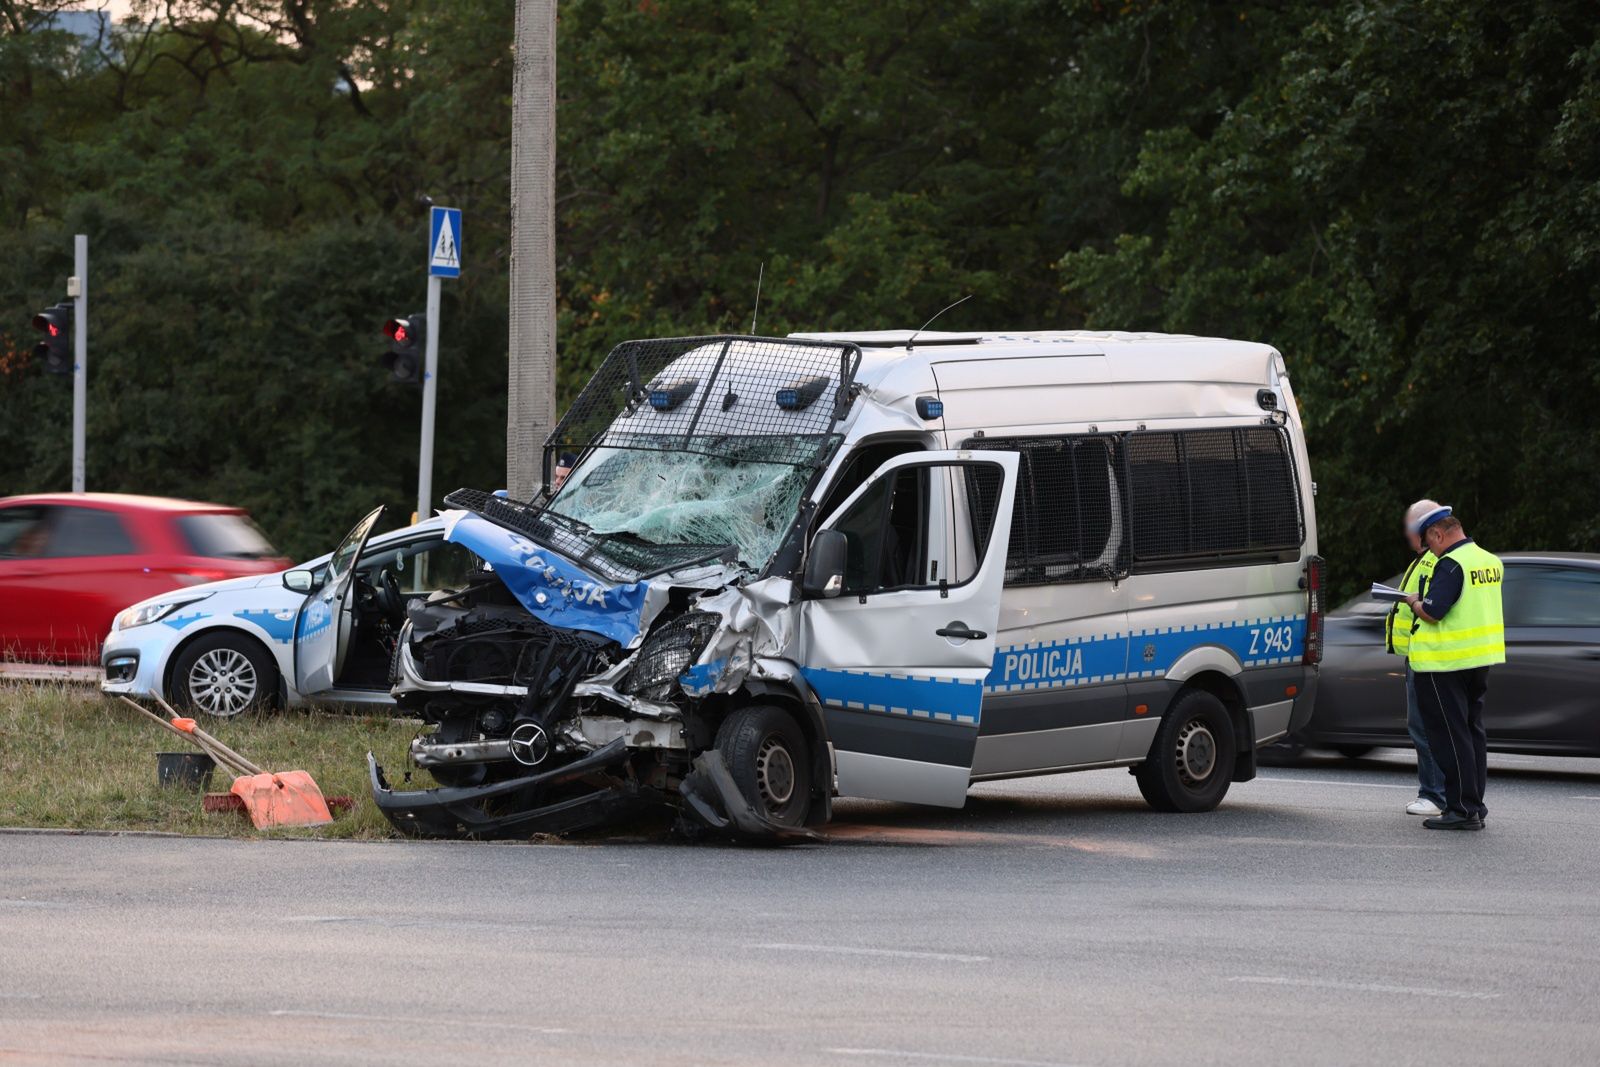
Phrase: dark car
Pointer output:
(1544, 700)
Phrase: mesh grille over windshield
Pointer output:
(688, 394)
(692, 449)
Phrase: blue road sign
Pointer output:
(444, 242)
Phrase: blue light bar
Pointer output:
(930, 407)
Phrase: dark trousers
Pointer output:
(1451, 703)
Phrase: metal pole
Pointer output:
(531, 406)
(80, 358)
(430, 390)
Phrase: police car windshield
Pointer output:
(737, 492)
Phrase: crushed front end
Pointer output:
(582, 675)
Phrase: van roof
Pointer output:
(1138, 356)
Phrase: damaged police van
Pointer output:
(882, 565)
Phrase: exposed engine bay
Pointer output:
(539, 729)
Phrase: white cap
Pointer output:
(1423, 514)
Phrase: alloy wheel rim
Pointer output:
(222, 682)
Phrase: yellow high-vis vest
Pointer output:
(1402, 620)
(1473, 631)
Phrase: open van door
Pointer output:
(322, 632)
(897, 643)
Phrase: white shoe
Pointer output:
(1423, 806)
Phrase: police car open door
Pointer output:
(322, 632)
(897, 659)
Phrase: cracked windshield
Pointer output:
(742, 493)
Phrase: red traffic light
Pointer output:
(55, 351)
(403, 331)
(405, 356)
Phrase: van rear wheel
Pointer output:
(1190, 764)
(767, 754)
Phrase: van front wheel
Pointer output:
(1191, 760)
(767, 754)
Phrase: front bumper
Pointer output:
(519, 807)
(524, 806)
(132, 660)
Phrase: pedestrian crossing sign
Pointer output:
(444, 242)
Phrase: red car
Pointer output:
(70, 561)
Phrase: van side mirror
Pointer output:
(299, 581)
(824, 577)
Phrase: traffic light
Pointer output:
(406, 337)
(56, 348)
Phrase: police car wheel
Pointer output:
(767, 754)
(223, 675)
(1190, 764)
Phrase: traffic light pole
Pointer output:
(80, 362)
(430, 389)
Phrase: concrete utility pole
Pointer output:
(80, 360)
(531, 400)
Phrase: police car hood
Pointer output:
(557, 591)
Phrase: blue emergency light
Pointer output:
(797, 396)
(930, 407)
(667, 396)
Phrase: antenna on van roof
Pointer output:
(753, 311)
(912, 339)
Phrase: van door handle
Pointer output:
(959, 630)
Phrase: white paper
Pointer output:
(1388, 592)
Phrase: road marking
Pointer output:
(21, 996)
(1303, 842)
(872, 834)
(32, 904)
(1365, 987)
(1585, 798)
(1332, 781)
(411, 1020)
(943, 1057)
(404, 922)
(852, 950)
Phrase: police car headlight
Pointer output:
(145, 614)
(667, 653)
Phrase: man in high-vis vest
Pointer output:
(1397, 630)
(1460, 634)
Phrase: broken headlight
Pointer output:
(667, 653)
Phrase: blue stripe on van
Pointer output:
(1060, 664)
(944, 699)
(1142, 653)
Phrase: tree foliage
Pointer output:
(1402, 195)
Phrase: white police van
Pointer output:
(882, 565)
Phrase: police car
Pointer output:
(322, 631)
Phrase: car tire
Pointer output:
(223, 675)
(1190, 764)
(767, 754)
(1353, 751)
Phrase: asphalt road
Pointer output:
(1053, 921)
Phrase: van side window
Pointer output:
(1211, 494)
(886, 530)
(1066, 525)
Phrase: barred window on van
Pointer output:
(1212, 494)
(1066, 523)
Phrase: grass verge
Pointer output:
(73, 759)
